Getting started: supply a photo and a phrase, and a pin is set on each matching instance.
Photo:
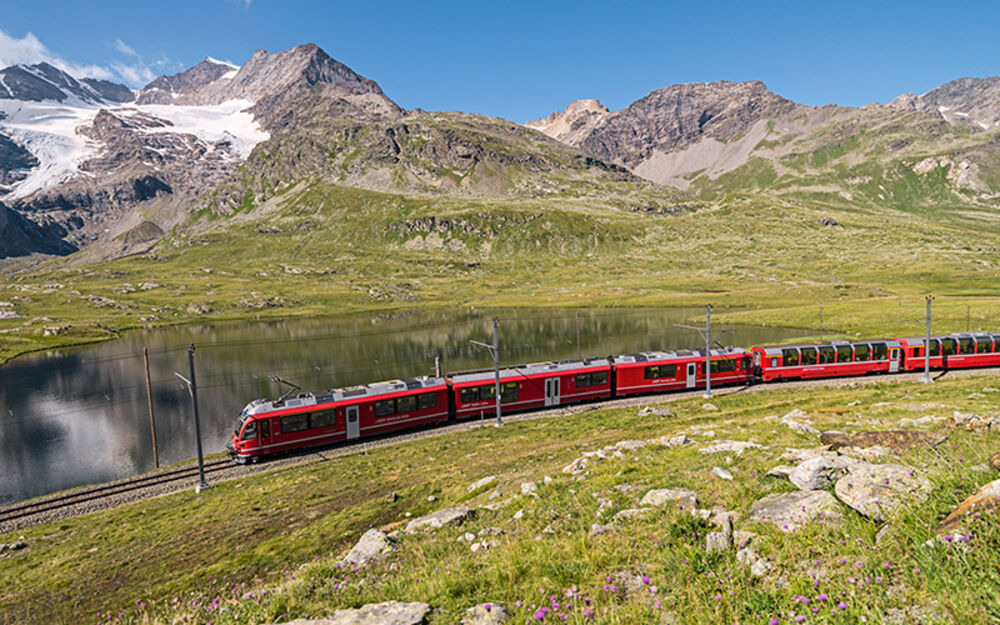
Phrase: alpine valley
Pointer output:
(293, 185)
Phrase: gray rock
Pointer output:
(791, 510)
(737, 447)
(675, 441)
(373, 545)
(760, 567)
(441, 518)
(801, 455)
(792, 421)
(722, 474)
(818, 473)
(486, 481)
(529, 488)
(656, 412)
(485, 614)
(597, 529)
(721, 540)
(781, 471)
(388, 613)
(709, 406)
(878, 490)
(629, 514)
(15, 546)
(681, 497)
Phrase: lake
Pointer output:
(80, 416)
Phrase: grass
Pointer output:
(265, 549)
(321, 249)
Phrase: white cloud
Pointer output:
(28, 50)
(124, 48)
(137, 74)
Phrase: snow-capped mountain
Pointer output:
(89, 160)
(41, 82)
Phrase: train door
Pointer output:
(551, 391)
(353, 427)
(692, 374)
(895, 358)
(264, 439)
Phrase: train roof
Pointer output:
(914, 340)
(676, 355)
(339, 394)
(518, 371)
(776, 349)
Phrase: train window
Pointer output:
(935, 347)
(406, 404)
(825, 355)
(470, 394)
(598, 378)
(966, 345)
(808, 356)
(250, 431)
(427, 400)
(984, 345)
(323, 418)
(724, 365)
(384, 408)
(996, 343)
(651, 373)
(789, 357)
(862, 352)
(295, 423)
(774, 362)
(582, 380)
(265, 428)
(508, 392)
(918, 352)
(880, 351)
(843, 353)
(949, 347)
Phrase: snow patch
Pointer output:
(229, 75)
(218, 62)
(49, 131)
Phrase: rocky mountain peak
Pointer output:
(973, 101)
(43, 81)
(180, 87)
(579, 118)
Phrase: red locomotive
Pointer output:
(306, 420)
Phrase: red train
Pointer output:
(268, 427)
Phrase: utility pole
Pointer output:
(495, 350)
(927, 343)
(149, 398)
(708, 351)
(437, 365)
(193, 391)
(707, 333)
(579, 350)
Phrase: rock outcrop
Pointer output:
(388, 613)
(879, 490)
(789, 511)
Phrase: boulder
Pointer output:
(781, 471)
(388, 613)
(793, 421)
(529, 488)
(373, 545)
(485, 614)
(792, 510)
(897, 440)
(629, 513)
(721, 540)
(737, 447)
(681, 497)
(656, 412)
(722, 474)
(441, 518)
(596, 529)
(878, 490)
(673, 441)
(818, 473)
(483, 483)
(987, 495)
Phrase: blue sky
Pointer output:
(523, 60)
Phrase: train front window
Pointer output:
(250, 431)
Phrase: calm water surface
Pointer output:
(80, 416)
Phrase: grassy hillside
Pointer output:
(264, 549)
(322, 249)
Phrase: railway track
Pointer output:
(109, 495)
